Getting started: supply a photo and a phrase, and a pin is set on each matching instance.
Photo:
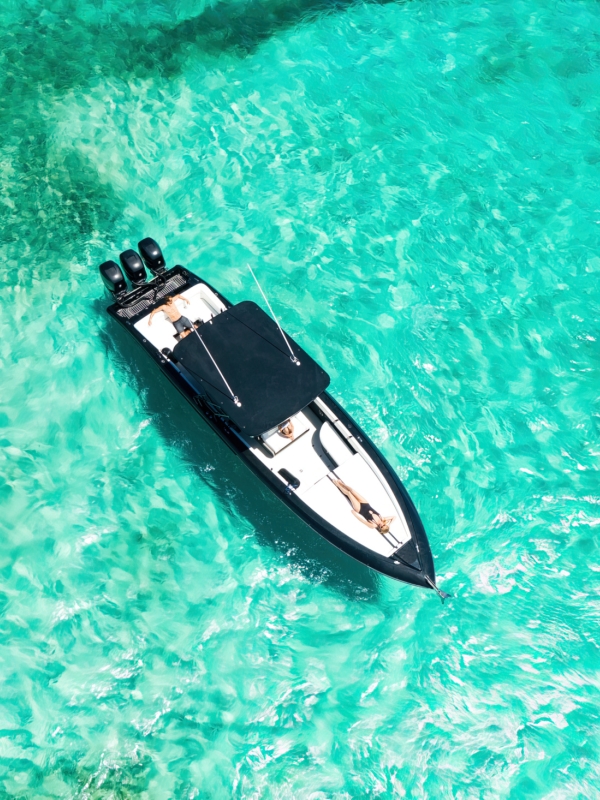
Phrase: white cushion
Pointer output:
(161, 333)
(275, 441)
(333, 444)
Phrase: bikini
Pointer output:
(367, 511)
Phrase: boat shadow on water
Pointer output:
(235, 487)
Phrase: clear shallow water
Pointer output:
(417, 184)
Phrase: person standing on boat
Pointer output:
(363, 510)
(182, 324)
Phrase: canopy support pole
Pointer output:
(292, 356)
(234, 397)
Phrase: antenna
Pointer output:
(292, 356)
(234, 397)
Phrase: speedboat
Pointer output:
(267, 399)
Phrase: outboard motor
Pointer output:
(132, 264)
(113, 278)
(152, 255)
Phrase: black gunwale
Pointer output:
(389, 566)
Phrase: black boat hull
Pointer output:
(412, 564)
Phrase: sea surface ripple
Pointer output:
(417, 185)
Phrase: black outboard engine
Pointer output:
(132, 264)
(152, 255)
(113, 277)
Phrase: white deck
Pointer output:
(203, 305)
(319, 448)
(304, 457)
(330, 503)
(307, 460)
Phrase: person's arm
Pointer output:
(181, 297)
(363, 520)
(156, 310)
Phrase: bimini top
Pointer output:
(256, 363)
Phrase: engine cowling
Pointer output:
(132, 264)
(152, 255)
(112, 277)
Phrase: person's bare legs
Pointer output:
(355, 498)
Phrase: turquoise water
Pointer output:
(417, 185)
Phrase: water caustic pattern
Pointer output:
(416, 184)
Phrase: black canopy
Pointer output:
(256, 363)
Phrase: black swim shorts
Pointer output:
(183, 324)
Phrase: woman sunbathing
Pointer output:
(287, 429)
(363, 510)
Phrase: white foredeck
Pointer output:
(335, 508)
(308, 461)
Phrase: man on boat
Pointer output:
(182, 324)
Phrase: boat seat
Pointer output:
(275, 441)
(333, 445)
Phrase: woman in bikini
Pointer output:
(287, 429)
(363, 510)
